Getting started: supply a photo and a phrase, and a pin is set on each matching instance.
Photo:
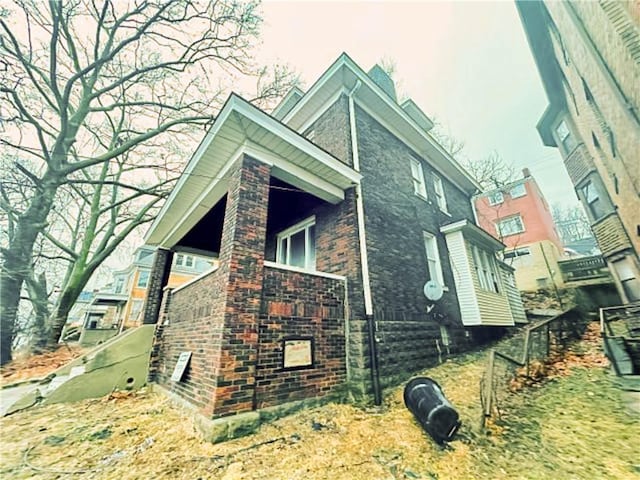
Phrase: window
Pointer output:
(144, 254)
(518, 252)
(143, 279)
(119, 285)
(565, 137)
(296, 246)
(136, 309)
(519, 256)
(439, 191)
(510, 226)
(593, 200)
(518, 191)
(495, 198)
(628, 280)
(418, 179)
(433, 258)
(485, 267)
(183, 260)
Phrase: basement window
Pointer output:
(296, 246)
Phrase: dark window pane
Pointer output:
(297, 241)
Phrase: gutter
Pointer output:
(364, 261)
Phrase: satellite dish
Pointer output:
(432, 290)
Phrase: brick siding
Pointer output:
(300, 305)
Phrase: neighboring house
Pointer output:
(328, 217)
(588, 54)
(134, 280)
(519, 216)
(119, 305)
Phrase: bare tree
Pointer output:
(572, 223)
(100, 93)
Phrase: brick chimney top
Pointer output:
(526, 173)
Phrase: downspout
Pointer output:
(364, 262)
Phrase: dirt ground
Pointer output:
(573, 426)
(38, 366)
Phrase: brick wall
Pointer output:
(395, 219)
(157, 280)
(194, 323)
(216, 318)
(300, 305)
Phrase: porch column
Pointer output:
(158, 279)
(242, 256)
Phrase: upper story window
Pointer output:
(439, 192)
(510, 226)
(143, 279)
(518, 191)
(417, 175)
(296, 246)
(566, 138)
(486, 271)
(119, 285)
(433, 258)
(183, 260)
(144, 254)
(495, 198)
(593, 201)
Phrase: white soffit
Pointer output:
(243, 128)
(473, 232)
(345, 73)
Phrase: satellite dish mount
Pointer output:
(433, 291)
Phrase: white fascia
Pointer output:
(345, 61)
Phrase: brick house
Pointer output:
(518, 215)
(587, 54)
(327, 217)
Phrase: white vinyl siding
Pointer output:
(433, 258)
(513, 294)
(439, 192)
(461, 267)
(417, 175)
(296, 246)
(477, 306)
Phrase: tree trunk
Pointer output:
(18, 257)
(37, 288)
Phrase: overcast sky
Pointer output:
(467, 64)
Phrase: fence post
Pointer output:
(488, 386)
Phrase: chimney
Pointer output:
(383, 80)
(526, 173)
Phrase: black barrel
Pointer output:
(425, 399)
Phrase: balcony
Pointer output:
(585, 271)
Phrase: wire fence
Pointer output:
(522, 359)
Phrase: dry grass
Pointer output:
(38, 366)
(574, 426)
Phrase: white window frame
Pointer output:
(417, 175)
(285, 236)
(516, 253)
(563, 132)
(140, 273)
(493, 198)
(438, 188)
(518, 193)
(185, 261)
(504, 221)
(136, 308)
(434, 264)
(486, 270)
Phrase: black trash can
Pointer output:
(425, 399)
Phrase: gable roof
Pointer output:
(241, 128)
(406, 124)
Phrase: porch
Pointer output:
(266, 326)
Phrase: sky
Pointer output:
(466, 64)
